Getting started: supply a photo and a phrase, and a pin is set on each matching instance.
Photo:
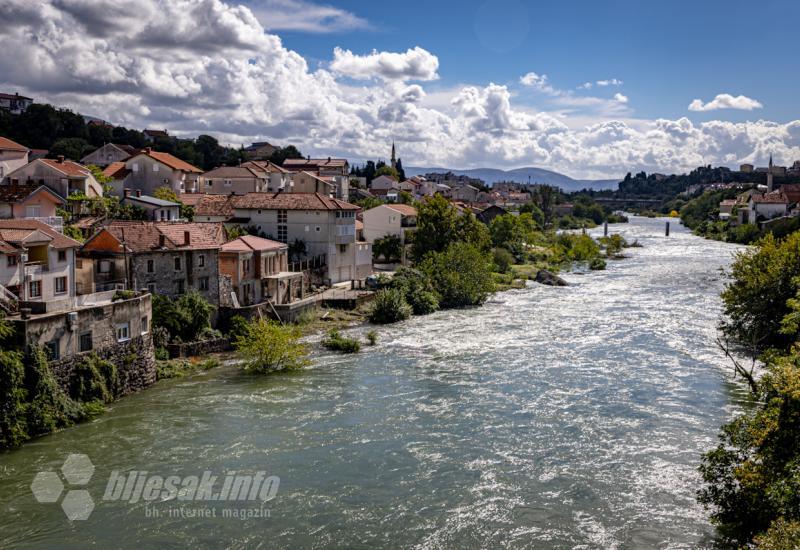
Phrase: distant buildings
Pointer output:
(108, 154)
(260, 150)
(147, 170)
(156, 209)
(12, 156)
(14, 103)
(151, 135)
(65, 177)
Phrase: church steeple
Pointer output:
(394, 157)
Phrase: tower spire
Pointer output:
(394, 157)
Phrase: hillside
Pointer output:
(521, 175)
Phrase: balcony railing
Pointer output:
(56, 222)
(36, 268)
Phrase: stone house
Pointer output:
(465, 193)
(259, 271)
(384, 182)
(766, 207)
(325, 225)
(151, 135)
(65, 177)
(166, 258)
(488, 214)
(108, 154)
(148, 170)
(210, 208)
(12, 156)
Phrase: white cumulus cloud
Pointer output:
(414, 64)
(304, 16)
(726, 101)
(621, 98)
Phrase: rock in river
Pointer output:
(548, 278)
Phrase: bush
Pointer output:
(178, 368)
(336, 342)
(237, 326)
(417, 289)
(94, 379)
(503, 259)
(389, 306)
(185, 318)
(269, 346)
(123, 295)
(597, 264)
(461, 275)
(372, 337)
(613, 244)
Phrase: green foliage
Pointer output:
(781, 535)
(439, 224)
(270, 346)
(763, 280)
(368, 202)
(613, 244)
(237, 327)
(283, 153)
(94, 379)
(389, 306)
(461, 275)
(597, 264)
(336, 342)
(743, 234)
(185, 318)
(372, 337)
(13, 400)
(577, 247)
(390, 248)
(584, 209)
(387, 170)
(123, 295)
(512, 233)
(417, 289)
(503, 259)
(178, 368)
(705, 207)
(70, 148)
(535, 212)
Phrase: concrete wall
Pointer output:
(10, 161)
(226, 186)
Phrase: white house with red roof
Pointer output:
(767, 206)
(12, 156)
(389, 219)
(148, 170)
(65, 177)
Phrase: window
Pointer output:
(180, 286)
(342, 248)
(53, 350)
(151, 266)
(209, 183)
(32, 211)
(282, 233)
(123, 332)
(201, 260)
(135, 168)
(62, 255)
(245, 266)
(282, 216)
(227, 183)
(151, 288)
(86, 341)
(105, 266)
(78, 264)
(317, 229)
(145, 325)
(35, 289)
(61, 285)
(12, 261)
(203, 283)
(177, 262)
(155, 167)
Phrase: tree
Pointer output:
(386, 170)
(535, 212)
(185, 318)
(269, 346)
(763, 280)
(417, 289)
(461, 275)
(389, 247)
(283, 153)
(401, 174)
(510, 233)
(167, 194)
(389, 306)
(70, 148)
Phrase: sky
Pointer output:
(589, 88)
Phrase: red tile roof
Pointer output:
(776, 197)
(265, 166)
(116, 170)
(289, 201)
(170, 160)
(404, 209)
(249, 243)
(68, 167)
(18, 193)
(792, 192)
(8, 228)
(233, 172)
(146, 236)
(8, 145)
(211, 205)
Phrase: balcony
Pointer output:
(56, 222)
(36, 268)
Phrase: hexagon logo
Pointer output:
(48, 486)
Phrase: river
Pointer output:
(548, 418)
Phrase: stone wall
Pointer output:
(134, 359)
(194, 349)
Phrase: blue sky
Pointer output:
(592, 89)
(667, 53)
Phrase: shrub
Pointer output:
(372, 337)
(597, 264)
(389, 306)
(269, 346)
(461, 275)
(123, 295)
(178, 368)
(94, 379)
(613, 244)
(336, 342)
(417, 289)
(162, 354)
(503, 259)
(185, 318)
(237, 326)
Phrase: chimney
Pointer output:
(138, 192)
(148, 150)
(162, 241)
(187, 238)
(769, 181)
(61, 159)
(126, 193)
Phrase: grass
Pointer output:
(336, 342)
(178, 368)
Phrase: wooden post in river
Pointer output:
(667, 230)
(605, 229)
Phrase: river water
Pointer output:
(549, 418)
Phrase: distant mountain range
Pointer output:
(521, 175)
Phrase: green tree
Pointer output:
(71, 148)
(436, 226)
(461, 275)
(417, 289)
(535, 212)
(386, 170)
(184, 319)
(269, 346)
(389, 247)
(389, 306)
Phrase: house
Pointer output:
(746, 168)
(259, 271)
(726, 208)
(117, 171)
(209, 208)
(389, 219)
(166, 258)
(306, 182)
(65, 177)
(357, 193)
(325, 225)
(410, 185)
(465, 193)
(320, 167)
(764, 207)
(14, 103)
(260, 150)
(108, 154)
(37, 263)
(563, 209)
(156, 209)
(238, 180)
(488, 214)
(12, 156)
(148, 170)
(388, 195)
(384, 182)
(31, 201)
(151, 135)
(278, 178)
